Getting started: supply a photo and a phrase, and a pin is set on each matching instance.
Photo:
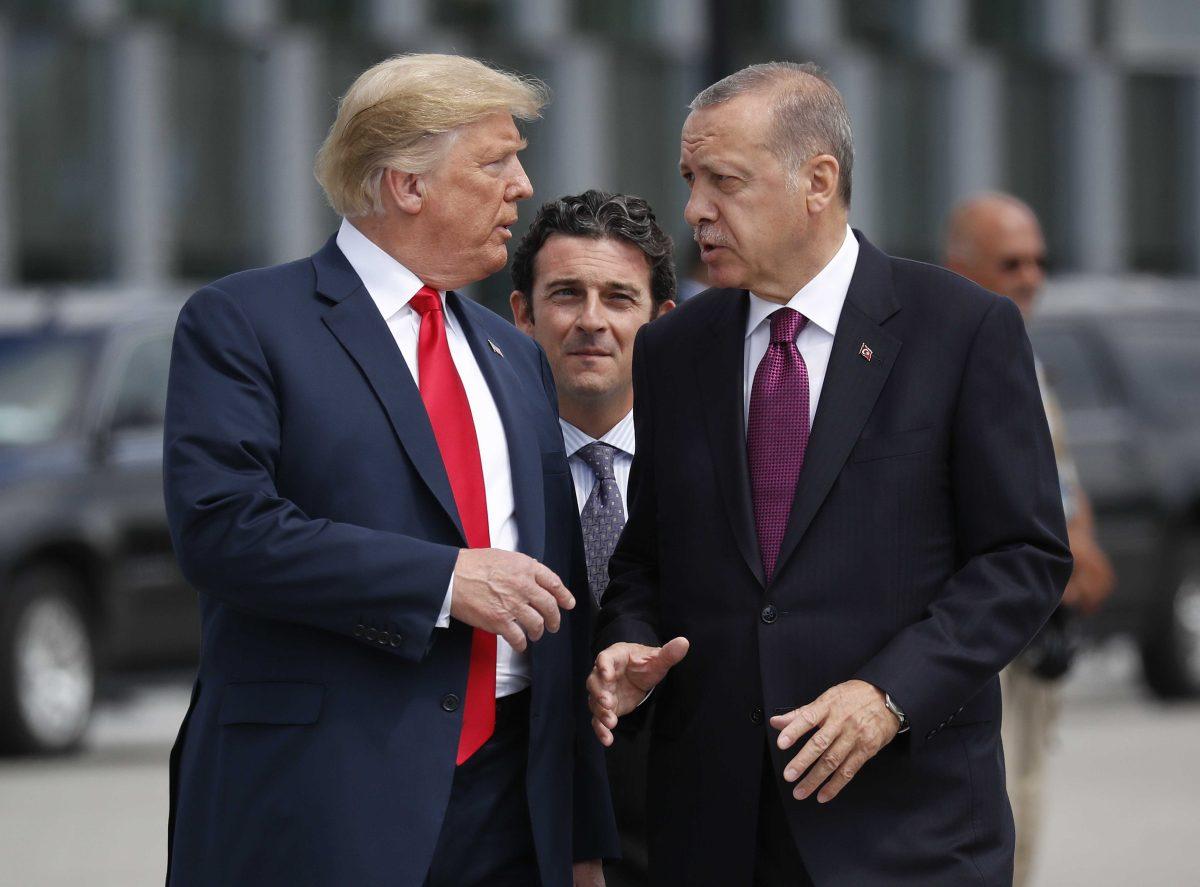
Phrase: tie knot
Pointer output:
(598, 457)
(426, 300)
(786, 324)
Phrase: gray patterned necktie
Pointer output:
(603, 516)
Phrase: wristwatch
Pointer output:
(895, 709)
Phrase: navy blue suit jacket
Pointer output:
(924, 549)
(309, 505)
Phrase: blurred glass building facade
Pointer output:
(148, 143)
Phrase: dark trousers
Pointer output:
(777, 862)
(486, 839)
(627, 759)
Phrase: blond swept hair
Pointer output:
(402, 114)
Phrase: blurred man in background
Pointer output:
(995, 240)
(589, 273)
(365, 480)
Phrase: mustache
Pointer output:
(709, 234)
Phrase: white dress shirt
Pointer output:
(391, 286)
(820, 300)
(619, 436)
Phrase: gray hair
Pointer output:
(809, 116)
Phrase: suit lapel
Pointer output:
(524, 452)
(356, 322)
(852, 385)
(719, 376)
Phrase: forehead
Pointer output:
(738, 126)
(1013, 232)
(593, 260)
(493, 132)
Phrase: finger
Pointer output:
(612, 661)
(531, 621)
(602, 733)
(817, 745)
(673, 651)
(781, 721)
(549, 580)
(847, 771)
(825, 766)
(514, 635)
(806, 718)
(547, 608)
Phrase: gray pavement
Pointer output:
(1123, 801)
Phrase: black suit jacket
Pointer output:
(925, 547)
(310, 507)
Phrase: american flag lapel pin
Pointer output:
(865, 352)
(495, 347)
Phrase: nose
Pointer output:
(699, 208)
(520, 188)
(591, 315)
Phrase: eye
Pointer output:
(688, 177)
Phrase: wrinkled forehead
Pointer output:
(736, 126)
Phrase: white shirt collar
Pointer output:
(389, 283)
(821, 299)
(620, 436)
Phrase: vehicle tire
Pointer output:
(1171, 646)
(47, 662)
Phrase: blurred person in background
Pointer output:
(591, 271)
(365, 480)
(995, 240)
(823, 617)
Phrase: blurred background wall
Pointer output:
(145, 143)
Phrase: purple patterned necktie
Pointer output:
(777, 432)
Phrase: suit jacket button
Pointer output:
(384, 637)
(930, 734)
(371, 634)
(769, 614)
(395, 640)
(756, 716)
(359, 630)
(449, 702)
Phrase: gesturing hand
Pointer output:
(507, 593)
(621, 678)
(852, 724)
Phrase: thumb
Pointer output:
(668, 655)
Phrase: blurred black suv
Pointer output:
(1124, 359)
(87, 576)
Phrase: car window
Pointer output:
(1163, 356)
(42, 377)
(142, 388)
(1070, 367)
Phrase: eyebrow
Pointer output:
(608, 284)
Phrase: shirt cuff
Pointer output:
(443, 620)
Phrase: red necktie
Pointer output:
(450, 415)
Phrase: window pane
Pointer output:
(1070, 368)
(142, 395)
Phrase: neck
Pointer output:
(820, 247)
(595, 419)
(403, 243)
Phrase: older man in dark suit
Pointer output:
(844, 521)
(365, 480)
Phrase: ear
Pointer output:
(823, 176)
(663, 308)
(406, 189)
(522, 312)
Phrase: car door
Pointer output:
(153, 612)
(1108, 446)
